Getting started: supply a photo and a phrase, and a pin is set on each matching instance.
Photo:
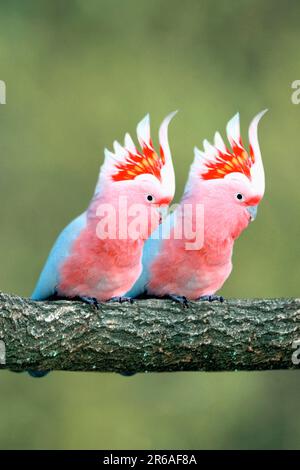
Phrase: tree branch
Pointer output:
(151, 335)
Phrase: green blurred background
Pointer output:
(79, 74)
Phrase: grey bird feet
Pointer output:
(211, 298)
(121, 299)
(181, 299)
(92, 301)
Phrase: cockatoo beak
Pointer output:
(252, 211)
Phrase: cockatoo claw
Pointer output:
(181, 299)
(211, 298)
(92, 301)
(121, 299)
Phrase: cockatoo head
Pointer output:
(145, 178)
(230, 181)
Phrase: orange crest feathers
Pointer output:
(237, 161)
(138, 163)
(217, 161)
(127, 163)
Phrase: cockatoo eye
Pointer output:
(150, 198)
(239, 196)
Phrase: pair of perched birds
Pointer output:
(160, 258)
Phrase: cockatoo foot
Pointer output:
(181, 299)
(211, 298)
(121, 299)
(92, 301)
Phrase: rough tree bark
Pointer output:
(149, 336)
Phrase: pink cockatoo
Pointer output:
(97, 257)
(190, 256)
